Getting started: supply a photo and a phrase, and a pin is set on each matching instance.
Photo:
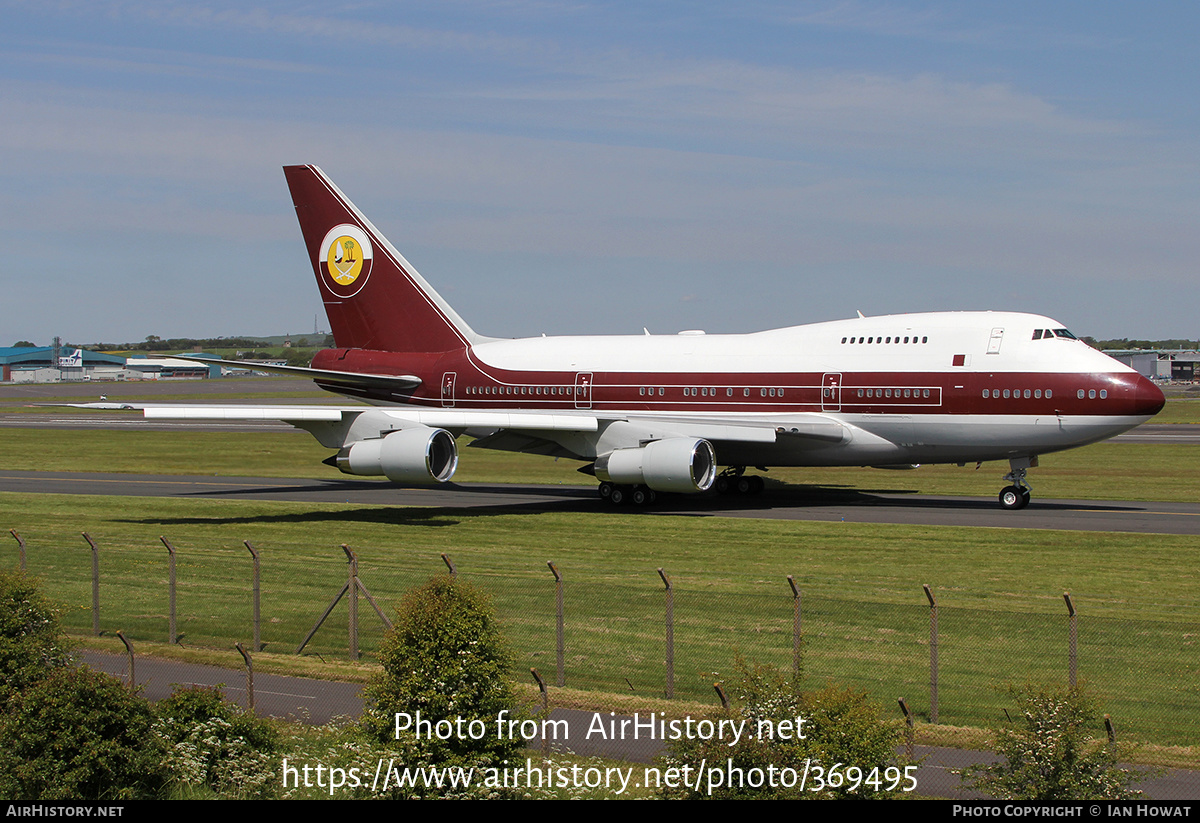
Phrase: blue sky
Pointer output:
(580, 167)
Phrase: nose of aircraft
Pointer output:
(1148, 398)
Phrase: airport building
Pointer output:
(1179, 365)
(37, 364)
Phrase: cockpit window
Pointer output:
(1037, 334)
(1064, 333)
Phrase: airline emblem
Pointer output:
(346, 256)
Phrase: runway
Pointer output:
(825, 505)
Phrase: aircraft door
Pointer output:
(831, 392)
(448, 389)
(583, 390)
(995, 340)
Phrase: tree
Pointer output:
(32, 643)
(24, 344)
(1051, 756)
(446, 659)
(848, 749)
(78, 734)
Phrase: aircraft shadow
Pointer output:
(385, 504)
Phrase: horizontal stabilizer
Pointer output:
(344, 378)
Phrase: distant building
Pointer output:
(1161, 364)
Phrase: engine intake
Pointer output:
(417, 455)
(679, 464)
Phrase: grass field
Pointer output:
(1002, 616)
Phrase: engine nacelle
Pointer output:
(417, 455)
(679, 464)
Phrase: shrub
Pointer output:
(31, 640)
(842, 729)
(213, 746)
(446, 659)
(78, 734)
(1051, 756)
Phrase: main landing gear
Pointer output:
(734, 480)
(731, 481)
(1018, 494)
(620, 495)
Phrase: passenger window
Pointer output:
(1049, 394)
(1037, 392)
(986, 394)
(1006, 394)
(1103, 394)
(1079, 394)
(1091, 394)
(1027, 394)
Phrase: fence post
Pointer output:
(95, 585)
(1072, 621)
(559, 644)
(171, 636)
(249, 674)
(257, 616)
(670, 635)
(21, 545)
(128, 651)
(545, 710)
(908, 729)
(796, 635)
(352, 584)
(933, 654)
(450, 565)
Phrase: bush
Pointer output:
(1051, 756)
(78, 734)
(446, 659)
(31, 640)
(214, 747)
(844, 735)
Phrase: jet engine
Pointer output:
(416, 455)
(679, 464)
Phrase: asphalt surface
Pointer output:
(828, 505)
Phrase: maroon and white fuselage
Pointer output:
(662, 412)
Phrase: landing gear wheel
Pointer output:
(1014, 498)
(723, 485)
(644, 497)
(756, 484)
(605, 491)
(744, 485)
(619, 496)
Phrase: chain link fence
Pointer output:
(949, 663)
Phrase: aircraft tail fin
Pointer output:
(373, 297)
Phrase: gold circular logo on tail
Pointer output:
(346, 259)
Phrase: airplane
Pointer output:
(688, 412)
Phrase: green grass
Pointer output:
(1002, 616)
(1180, 410)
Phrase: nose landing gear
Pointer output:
(1017, 495)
